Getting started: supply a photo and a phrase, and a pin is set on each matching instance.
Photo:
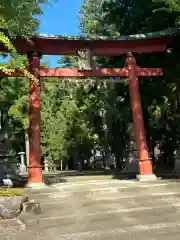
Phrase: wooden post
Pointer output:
(34, 168)
(145, 164)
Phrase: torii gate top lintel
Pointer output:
(99, 46)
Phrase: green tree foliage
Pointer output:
(71, 121)
(66, 127)
(19, 18)
(159, 95)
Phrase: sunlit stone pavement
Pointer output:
(102, 209)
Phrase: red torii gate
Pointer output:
(58, 45)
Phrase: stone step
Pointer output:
(106, 193)
(70, 206)
(113, 207)
(165, 231)
(85, 222)
(103, 184)
(162, 231)
(112, 182)
(133, 200)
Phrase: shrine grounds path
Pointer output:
(106, 209)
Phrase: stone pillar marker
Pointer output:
(46, 166)
(22, 167)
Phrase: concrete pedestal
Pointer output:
(36, 185)
(148, 177)
(177, 165)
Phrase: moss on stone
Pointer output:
(8, 192)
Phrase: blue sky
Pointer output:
(60, 18)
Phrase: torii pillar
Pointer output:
(145, 163)
(34, 168)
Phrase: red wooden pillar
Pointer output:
(145, 164)
(34, 168)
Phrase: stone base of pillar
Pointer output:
(36, 185)
(146, 177)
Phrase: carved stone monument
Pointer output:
(177, 162)
(131, 164)
(8, 161)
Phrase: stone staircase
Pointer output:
(102, 209)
